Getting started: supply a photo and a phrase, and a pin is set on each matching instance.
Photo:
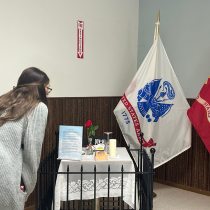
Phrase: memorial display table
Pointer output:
(74, 186)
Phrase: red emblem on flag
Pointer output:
(80, 39)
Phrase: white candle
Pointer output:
(112, 147)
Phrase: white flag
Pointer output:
(154, 104)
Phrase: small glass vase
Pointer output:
(89, 147)
(106, 148)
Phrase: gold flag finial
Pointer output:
(157, 25)
(158, 17)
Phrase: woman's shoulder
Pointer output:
(41, 107)
(40, 112)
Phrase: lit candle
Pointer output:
(112, 147)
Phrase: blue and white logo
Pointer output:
(153, 96)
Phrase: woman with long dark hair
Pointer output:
(23, 119)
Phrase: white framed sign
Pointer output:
(70, 142)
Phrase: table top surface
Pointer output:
(122, 156)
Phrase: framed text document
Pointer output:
(70, 142)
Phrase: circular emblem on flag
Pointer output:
(153, 97)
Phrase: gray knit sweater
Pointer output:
(15, 161)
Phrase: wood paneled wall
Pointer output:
(191, 168)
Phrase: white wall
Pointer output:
(185, 32)
(43, 33)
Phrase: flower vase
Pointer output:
(89, 149)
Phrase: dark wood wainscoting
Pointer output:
(190, 169)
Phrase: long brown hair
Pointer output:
(30, 90)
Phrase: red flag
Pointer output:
(199, 114)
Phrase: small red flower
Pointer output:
(91, 130)
(88, 124)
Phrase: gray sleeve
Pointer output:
(32, 141)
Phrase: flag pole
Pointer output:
(156, 35)
(157, 25)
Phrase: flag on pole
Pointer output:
(154, 104)
(199, 114)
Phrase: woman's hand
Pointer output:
(22, 188)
